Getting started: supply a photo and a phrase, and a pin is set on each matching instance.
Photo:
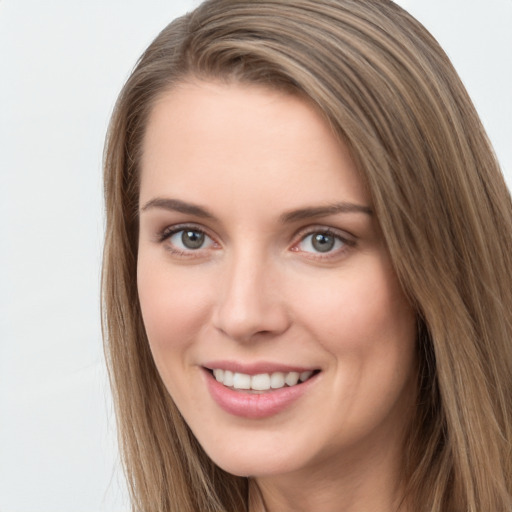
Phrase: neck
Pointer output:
(356, 485)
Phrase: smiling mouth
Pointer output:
(262, 381)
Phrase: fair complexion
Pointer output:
(259, 254)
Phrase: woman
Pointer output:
(306, 276)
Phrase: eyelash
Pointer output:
(347, 241)
(169, 232)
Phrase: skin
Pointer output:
(259, 290)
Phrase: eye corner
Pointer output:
(339, 244)
(173, 239)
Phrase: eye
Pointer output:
(186, 239)
(323, 242)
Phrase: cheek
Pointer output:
(361, 311)
(173, 304)
(363, 320)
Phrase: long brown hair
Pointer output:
(389, 91)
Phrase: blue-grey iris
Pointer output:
(323, 242)
(192, 239)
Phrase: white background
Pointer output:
(62, 63)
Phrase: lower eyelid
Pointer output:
(165, 236)
(346, 241)
(334, 249)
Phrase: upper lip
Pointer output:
(257, 367)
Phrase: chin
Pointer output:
(257, 460)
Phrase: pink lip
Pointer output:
(255, 405)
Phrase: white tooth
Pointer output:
(260, 382)
(218, 374)
(228, 378)
(241, 381)
(277, 380)
(292, 378)
(305, 375)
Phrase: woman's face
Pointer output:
(272, 311)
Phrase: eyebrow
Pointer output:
(324, 211)
(176, 205)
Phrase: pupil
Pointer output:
(323, 242)
(192, 239)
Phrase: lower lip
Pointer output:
(256, 405)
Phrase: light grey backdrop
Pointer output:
(62, 64)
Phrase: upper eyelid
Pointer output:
(297, 237)
(163, 238)
(168, 231)
(310, 230)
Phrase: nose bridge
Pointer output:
(249, 302)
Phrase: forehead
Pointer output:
(242, 141)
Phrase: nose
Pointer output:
(249, 303)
